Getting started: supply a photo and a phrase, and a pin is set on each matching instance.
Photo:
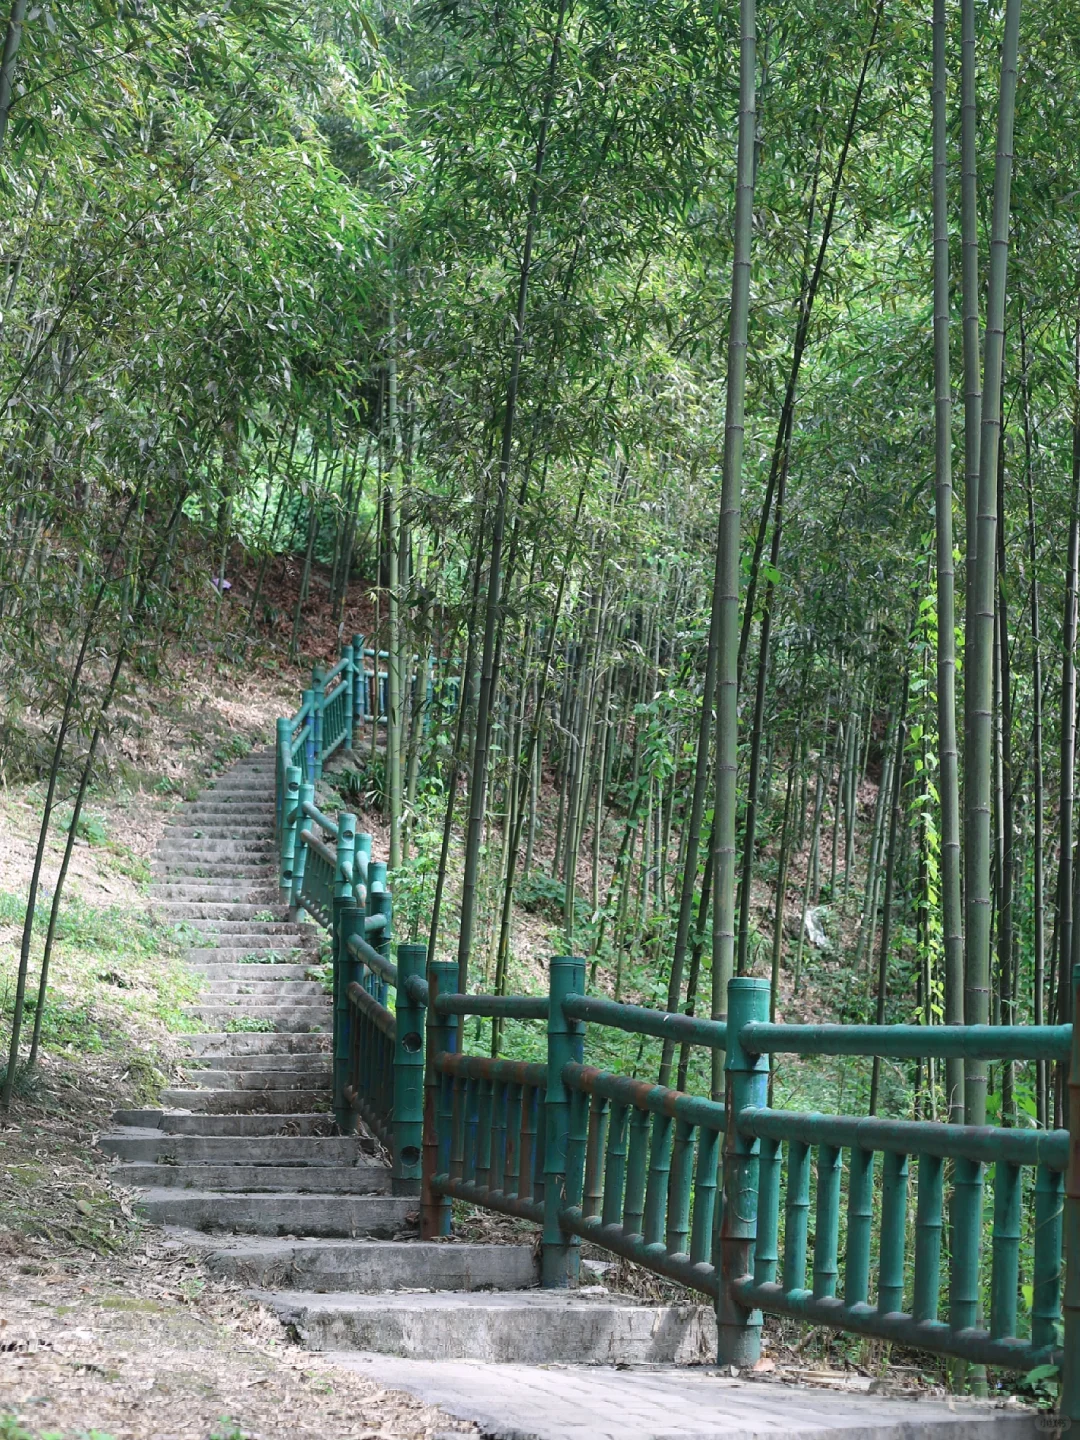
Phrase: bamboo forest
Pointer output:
(539, 611)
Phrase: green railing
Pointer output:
(326, 871)
(822, 1218)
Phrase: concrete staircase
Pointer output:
(243, 1164)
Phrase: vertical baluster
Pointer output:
(471, 1128)
(592, 1194)
(457, 1130)
(561, 1249)
(767, 1247)
(894, 1195)
(706, 1184)
(656, 1192)
(682, 1169)
(796, 1216)
(308, 749)
(358, 684)
(965, 1227)
(1005, 1268)
(827, 1222)
(527, 1148)
(512, 1169)
(483, 1133)
(859, 1224)
(318, 698)
(405, 1074)
(577, 1144)
(1046, 1271)
(540, 1151)
(928, 1223)
(497, 1179)
(636, 1159)
(615, 1165)
(348, 923)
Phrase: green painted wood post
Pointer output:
(561, 1254)
(1070, 1368)
(282, 761)
(290, 832)
(306, 796)
(348, 923)
(408, 1074)
(318, 690)
(747, 1077)
(359, 685)
(308, 698)
(380, 903)
(350, 692)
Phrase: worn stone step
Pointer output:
(219, 974)
(346, 1180)
(218, 910)
(154, 1146)
(317, 1123)
(538, 1327)
(227, 1102)
(185, 846)
(282, 1017)
(325, 1266)
(288, 1213)
(211, 1044)
(239, 827)
(198, 1065)
(198, 870)
(217, 803)
(240, 931)
(235, 892)
(270, 991)
(276, 952)
(224, 1079)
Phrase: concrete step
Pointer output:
(313, 1151)
(538, 1327)
(234, 892)
(239, 932)
(350, 1180)
(199, 1065)
(244, 1080)
(230, 1102)
(218, 974)
(325, 1266)
(217, 803)
(272, 1123)
(198, 870)
(277, 950)
(210, 846)
(288, 1213)
(241, 828)
(218, 910)
(265, 992)
(283, 1017)
(214, 1044)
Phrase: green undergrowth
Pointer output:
(12, 1428)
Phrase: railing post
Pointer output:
(561, 1252)
(359, 684)
(408, 1074)
(1070, 1364)
(290, 830)
(361, 860)
(747, 1076)
(347, 676)
(348, 922)
(379, 902)
(282, 761)
(318, 692)
(306, 796)
(308, 698)
(442, 1037)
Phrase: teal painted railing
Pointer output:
(326, 871)
(718, 1196)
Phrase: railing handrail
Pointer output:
(911, 1042)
